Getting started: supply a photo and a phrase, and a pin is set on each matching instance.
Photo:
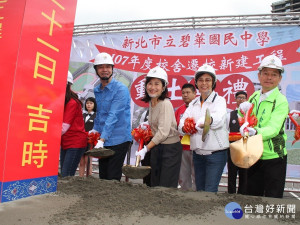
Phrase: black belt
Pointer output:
(219, 151)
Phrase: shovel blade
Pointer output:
(206, 125)
(246, 151)
(134, 172)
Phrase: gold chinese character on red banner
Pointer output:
(52, 20)
(48, 70)
(41, 119)
(34, 153)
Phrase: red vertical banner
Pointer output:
(35, 63)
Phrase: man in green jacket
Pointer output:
(267, 176)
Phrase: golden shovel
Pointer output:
(136, 172)
(246, 151)
(206, 125)
(100, 152)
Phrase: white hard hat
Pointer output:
(70, 77)
(103, 58)
(205, 68)
(158, 72)
(271, 61)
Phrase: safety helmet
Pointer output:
(158, 72)
(205, 68)
(271, 61)
(70, 77)
(103, 58)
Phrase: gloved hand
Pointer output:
(200, 123)
(142, 152)
(245, 106)
(99, 144)
(295, 114)
(144, 125)
(251, 131)
(93, 131)
(242, 129)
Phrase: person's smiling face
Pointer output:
(204, 84)
(104, 70)
(154, 88)
(269, 79)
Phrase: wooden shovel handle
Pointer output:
(138, 158)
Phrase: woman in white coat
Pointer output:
(209, 156)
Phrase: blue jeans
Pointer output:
(69, 160)
(208, 170)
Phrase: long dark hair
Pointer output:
(163, 95)
(91, 99)
(71, 94)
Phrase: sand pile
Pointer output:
(120, 199)
(91, 201)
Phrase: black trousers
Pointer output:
(267, 178)
(111, 168)
(165, 164)
(233, 171)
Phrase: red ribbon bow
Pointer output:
(93, 138)
(142, 134)
(189, 126)
(251, 119)
(297, 130)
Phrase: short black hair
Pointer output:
(163, 95)
(188, 85)
(240, 93)
(91, 99)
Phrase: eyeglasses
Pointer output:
(204, 81)
(241, 98)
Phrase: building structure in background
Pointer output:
(231, 21)
(286, 6)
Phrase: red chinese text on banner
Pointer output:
(236, 62)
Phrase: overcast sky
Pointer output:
(101, 11)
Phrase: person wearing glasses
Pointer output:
(209, 154)
(233, 170)
(267, 176)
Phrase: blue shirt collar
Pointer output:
(109, 86)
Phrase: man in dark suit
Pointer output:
(233, 170)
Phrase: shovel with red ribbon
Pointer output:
(137, 172)
(142, 136)
(97, 152)
(248, 117)
(247, 150)
(294, 116)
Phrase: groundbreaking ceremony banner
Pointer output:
(35, 40)
(235, 53)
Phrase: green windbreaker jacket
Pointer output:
(271, 115)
